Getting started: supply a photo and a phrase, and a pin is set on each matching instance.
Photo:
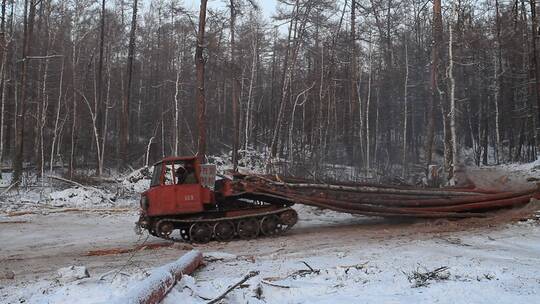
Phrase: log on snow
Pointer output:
(154, 288)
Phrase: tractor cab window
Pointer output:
(168, 177)
(156, 175)
(179, 172)
(185, 172)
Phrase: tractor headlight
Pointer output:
(144, 202)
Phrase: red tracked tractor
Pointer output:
(181, 198)
(184, 196)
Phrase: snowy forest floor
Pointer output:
(354, 258)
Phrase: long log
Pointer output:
(297, 180)
(495, 204)
(291, 181)
(369, 196)
(414, 201)
(371, 209)
(50, 211)
(154, 288)
(368, 209)
(382, 201)
(371, 189)
(394, 214)
(470, 207)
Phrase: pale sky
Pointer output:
(268, 7)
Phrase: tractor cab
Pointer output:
(177, 187)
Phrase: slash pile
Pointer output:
(384, 200)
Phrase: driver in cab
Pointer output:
(185, 174)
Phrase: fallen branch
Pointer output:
(105, 210)
(304, 272)
(128, 250)
(14, 222)
(67, 181)
(421, 279)
(310, 268)
(108, 273)
(357, 267)
(154, 288)
(274, 284)
(9, 188)
(247, 277)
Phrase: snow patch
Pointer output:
(76, 197)
(72, 273)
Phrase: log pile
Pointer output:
(385, 200)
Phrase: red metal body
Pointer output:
(167, 197)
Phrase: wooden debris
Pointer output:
(226, 292)
(112, 251)
(9, 188)
(8, 275)
(97, 210)
(274, 284)
(14, 222)
(155, 287)
(422, 279)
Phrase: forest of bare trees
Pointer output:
(378, 85)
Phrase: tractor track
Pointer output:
(225, 229)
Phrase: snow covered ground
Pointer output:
(327, 257)
(353, 259)
(485, 267)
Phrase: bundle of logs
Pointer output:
(386, 200)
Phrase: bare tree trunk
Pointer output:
(498, 86)
(437, 39)
(255, 52)
(288, 69)
(29, 14)
(3, 58)
(405, 113)
(291, 126)
(176, 112)
(124, 126)
(106, 117)
(234, 85)
(284, 88)
(452, 85)
(74, 113)
(200, 62)
(93, 116)
(57, 117)
(376, 129)
(99, 160)
(368, 102)
(536, 65)
(43, 119)
(354, 77)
